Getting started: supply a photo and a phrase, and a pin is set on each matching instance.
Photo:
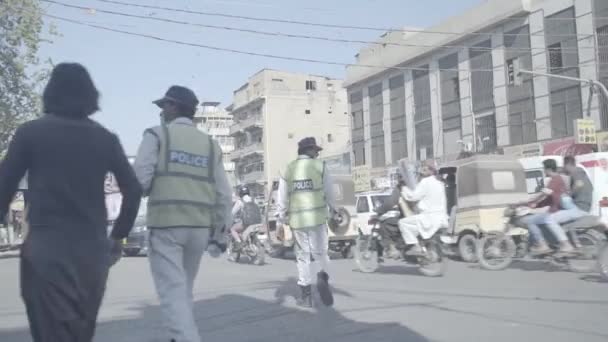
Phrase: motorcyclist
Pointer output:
(239, 213)
(432, 208)
(550, 196)
(392, 203)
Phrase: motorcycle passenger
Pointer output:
(581, 193)
(245, 213)
(550, 196)
(432, 209)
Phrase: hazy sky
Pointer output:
(131, 71)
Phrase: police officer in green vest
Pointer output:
(181, 171)
(305, 199)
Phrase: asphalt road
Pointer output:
(239, 302)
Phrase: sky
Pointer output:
(131, 72)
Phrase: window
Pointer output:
(503, 180)
(330, 86)
(330, 138)
(376, 114)
(535, 180)
(311, 85)
(289, 135)
(556, 59)
(280, 80)
(398, 122)
(307, 111)
(362, 205)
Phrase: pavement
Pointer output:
(241, 302)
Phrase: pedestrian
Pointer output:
(66, 256)
(181, 170)
(304, 196)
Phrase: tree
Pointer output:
(21, 72)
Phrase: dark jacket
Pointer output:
(67, 161)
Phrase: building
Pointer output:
(453, 85)
(216, 121)
(273, 111)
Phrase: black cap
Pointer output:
(309, 142)
(180, 95)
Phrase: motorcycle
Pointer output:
(496, 251)
(370, 249)
(251, 246)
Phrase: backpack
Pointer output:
(251, 214)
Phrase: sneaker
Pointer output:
(324, 289)
(540, 249)
(305, 299)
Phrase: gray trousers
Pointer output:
(175, 255)
(311, 242)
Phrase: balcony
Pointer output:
(241, 152)
(241, 126)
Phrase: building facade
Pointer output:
(453, 85)
(273, 111)
(216, 121)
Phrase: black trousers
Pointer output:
(62, 288)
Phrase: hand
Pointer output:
(115, 251)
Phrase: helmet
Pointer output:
(243, 191)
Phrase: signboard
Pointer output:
(523, 151)
(566, 147)
(338, 165)
(585, 131)
(361, 178)
(602, 141)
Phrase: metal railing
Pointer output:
(241, 152)
(253, 121)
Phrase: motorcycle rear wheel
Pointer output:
(365, 258)
(495, 252)
(602, 261)
(433, 264)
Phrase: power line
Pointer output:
(309, 37)
(308, 23)
(249, 53)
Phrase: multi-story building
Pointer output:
(453, 84)
(216, 121)
(273, 111)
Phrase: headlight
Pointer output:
(139, 229)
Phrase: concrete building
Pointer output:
(452, 84)
(273, 111)
(216, 121)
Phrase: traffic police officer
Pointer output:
(181, 170)
(305, 194)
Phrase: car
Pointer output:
(366, 203)
(137, 241)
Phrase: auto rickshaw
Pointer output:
(478, 190)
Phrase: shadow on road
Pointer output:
(593, 278)
(236, 317)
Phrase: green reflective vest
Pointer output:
(183, 192)
(307, 204)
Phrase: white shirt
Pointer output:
(430, 195)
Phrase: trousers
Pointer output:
(175, 256)
(311, 243)
(546, 219)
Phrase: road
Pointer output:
(529, 302)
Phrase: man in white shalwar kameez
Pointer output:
(432, 209)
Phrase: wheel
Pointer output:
(232, 255)
(602, 262)
(496, 251)
(131, 252)
(433, 264)
(366, 259)
(260, 254)
(590, 244)
(467, 246)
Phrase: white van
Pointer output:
(367, 202)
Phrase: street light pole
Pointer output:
(591, 82)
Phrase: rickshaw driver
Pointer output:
(432, 209)
(550, 196)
